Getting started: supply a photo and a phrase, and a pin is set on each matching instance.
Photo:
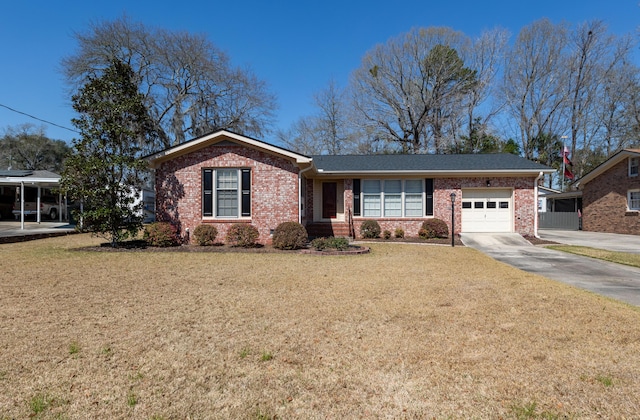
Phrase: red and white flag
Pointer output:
(565, 159)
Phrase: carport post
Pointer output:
(453, 219)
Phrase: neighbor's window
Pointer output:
(634, 200)
(391, 198)
(634, 162)
(226, 193)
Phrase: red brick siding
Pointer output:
(524, 204)
(604, 202)
(274, 188)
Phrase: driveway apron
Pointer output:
(608, 279)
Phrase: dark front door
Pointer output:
(329, 200)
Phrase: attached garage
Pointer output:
(487, 210)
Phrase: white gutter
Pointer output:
(300, 186)
(535, 207)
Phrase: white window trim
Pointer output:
(214, 196)
(629, 208)
(633, 160)
(403, 196)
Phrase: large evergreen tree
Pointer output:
(105, 170)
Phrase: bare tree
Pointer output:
(408, 89)
(534, 85)
(189, 85)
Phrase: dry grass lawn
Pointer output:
(408, 331)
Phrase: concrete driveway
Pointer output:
(609, 241)
(608, 279)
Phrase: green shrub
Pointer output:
(370, 229)
(161, 234)
(243, 235)
(399, 233)
(205, 235)
(434, 228)
(386, 234)
(290, 235)
(330, 243)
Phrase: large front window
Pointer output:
(226, 193)
(392, 198)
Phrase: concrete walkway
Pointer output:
(613, 280)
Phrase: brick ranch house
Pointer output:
(611, 195)
(223, 178)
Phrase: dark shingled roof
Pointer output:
(427, 163)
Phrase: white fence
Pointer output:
(559, 220)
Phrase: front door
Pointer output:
(329, 200)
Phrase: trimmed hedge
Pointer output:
(290, 235)
(242, 235)
(161, 234)
(434, 228)
(205, 235)
(339, 243)
(370, 229)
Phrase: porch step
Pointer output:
(316, 230)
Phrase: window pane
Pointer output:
(634, 200)
(371, 187)
(413, 186)
(478, 205)
(504, 204)
(393, 186)
(413, 205)
(491, 204)
(227, 203)
(371, 205)
(392, 205)
(466, 204)
(227, 179)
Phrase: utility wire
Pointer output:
(39, 119)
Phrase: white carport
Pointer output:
(37, 179)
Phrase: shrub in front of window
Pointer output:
(290, 235)
(243, 235)
(161, 234)
(434, 228)
(370, 229)
(399, 233)
(205, 235)
(386, 234)
(329, 244)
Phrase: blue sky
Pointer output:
(295, 46)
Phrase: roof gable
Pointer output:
(222, 137)
(608, 164)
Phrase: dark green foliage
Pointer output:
(399, 233)
(331, 243)
(370, 229)
(27, 147)
(105, 170)
(290, 235)
(205, 235)
(243, 235)
(386, 234)
(434, 228)
(161, 234)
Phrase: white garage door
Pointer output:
(487, 210)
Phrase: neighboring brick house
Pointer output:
(224, 178)
(611, 195)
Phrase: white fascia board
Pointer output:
(196, 144)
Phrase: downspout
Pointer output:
(535, 207)
(300, 192)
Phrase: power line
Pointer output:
(39, 119)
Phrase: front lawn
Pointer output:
(407, 331)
